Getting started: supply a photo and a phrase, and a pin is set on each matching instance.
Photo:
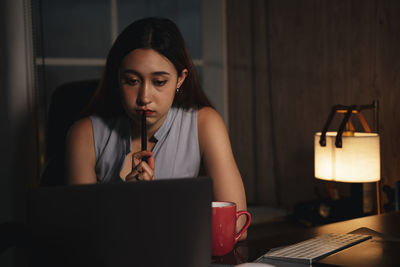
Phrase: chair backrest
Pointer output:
(65, 108)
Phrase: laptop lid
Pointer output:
(156, 223)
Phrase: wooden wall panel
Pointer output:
(320, 56)
(264, 139)
(239, 34)
(249, 102)
(387, 83)
(321, 53)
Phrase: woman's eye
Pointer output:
(160, 82)
(131, 81)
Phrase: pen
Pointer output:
(144, 134)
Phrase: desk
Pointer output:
(382, 250)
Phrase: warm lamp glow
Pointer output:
(358, 160)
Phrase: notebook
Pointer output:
(156, 223)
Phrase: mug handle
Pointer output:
(246, 225)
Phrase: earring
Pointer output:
(177, 90)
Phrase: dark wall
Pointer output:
(289, 62)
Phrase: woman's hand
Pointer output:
(141, 170)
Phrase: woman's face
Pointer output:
(148, 84)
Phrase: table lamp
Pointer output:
(346, 155)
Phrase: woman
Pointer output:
(149, 71)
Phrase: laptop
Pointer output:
(153, 223)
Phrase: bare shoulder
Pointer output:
(209, 117)
(81, 127)
(80, 132)
(211, 129)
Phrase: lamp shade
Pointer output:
(358, 160)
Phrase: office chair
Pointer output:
(65, 108)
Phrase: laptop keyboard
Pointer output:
(315, 248)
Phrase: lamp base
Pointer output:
(323, 211)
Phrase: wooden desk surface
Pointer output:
(382, 250)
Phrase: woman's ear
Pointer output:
(182, 77)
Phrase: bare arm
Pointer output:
(80, 157)
(219, 162)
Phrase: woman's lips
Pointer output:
(147, 112)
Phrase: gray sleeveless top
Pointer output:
(176, 153)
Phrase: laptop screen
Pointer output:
(156, 223)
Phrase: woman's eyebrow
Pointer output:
(161, 73)
(128, 71)
(132, 72)
(157, 73)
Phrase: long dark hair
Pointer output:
(163, 36)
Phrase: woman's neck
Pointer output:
(135, 126)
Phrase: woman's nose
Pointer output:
(144, 96)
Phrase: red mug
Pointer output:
(224, 217)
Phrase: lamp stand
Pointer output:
(378, 197)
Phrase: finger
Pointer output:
(141, 154)
(145, 176)
(132, 177)
(140, 176)
(144, 168)
(141, 172)
(138, 156)
(150, 162)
